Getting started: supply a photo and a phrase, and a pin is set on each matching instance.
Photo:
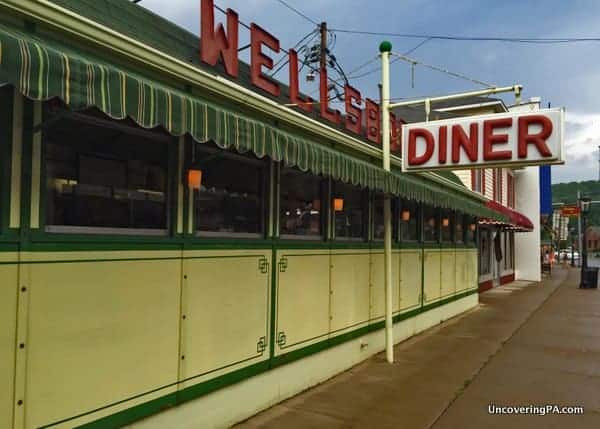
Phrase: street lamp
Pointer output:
(584, 206)
(572, 230)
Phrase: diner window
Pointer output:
(349, 208)
(430, 224)
(104, 175)
(447, 226)
(459, 228)
(409, 221)
(300, 207)
(230, 201)
(378, 224)
(470, 229)
(485, 252)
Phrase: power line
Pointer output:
(286, 59)
(410, 51)
(379, 67)
(442, 70)
(532, 40)
(298, 12)
(362, 66)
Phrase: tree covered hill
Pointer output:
(567, 193)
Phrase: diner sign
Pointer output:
(218, 44)
(505, 140)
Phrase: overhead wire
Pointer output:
(442, 70)
(286, 59)
(531, 40)
(376, 58)
(298, 12)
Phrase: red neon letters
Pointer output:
(539, 139)
(490, 139)
(468, 144)
(373, 121)
(353, 113)
(215, 43)
(427, 137)
(259, 37)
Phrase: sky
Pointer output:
(564, 75)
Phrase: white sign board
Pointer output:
(506, 139)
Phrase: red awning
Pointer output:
(517, 221)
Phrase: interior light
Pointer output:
(194, 179)
(338, 204)
(445, 222)
(472, 227)
(405, 215)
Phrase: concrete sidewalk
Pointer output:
(526, 344)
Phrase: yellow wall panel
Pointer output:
(302, 298)
(472, 269)
(226, 308)
(462, 279)
(411, 279)
(8, 318)
(448, 280)
(432, 278)
(99, 332)
(378, 284)
(349, 289)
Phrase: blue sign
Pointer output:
(545, 190)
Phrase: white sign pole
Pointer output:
(385, 49)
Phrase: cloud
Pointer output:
(582, 134)
(582, 138)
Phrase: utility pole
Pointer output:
(580, 244)
(323, 65)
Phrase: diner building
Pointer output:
(179, 248)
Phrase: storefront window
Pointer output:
(509, 250)
(300, 213)
(430, 224)
(378, 225)
(104, 175)
(485, 248)
(409, 221)
(459, 228)
(349, 207)
(230, 201)
(448, 222)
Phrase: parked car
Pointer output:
(567, 252)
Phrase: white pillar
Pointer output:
(527, 244)
(385, 49)
(528, 265)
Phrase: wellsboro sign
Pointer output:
(217, 44)
(502, 140)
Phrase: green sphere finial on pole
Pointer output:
(385, 46)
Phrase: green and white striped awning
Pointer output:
(42, 70)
